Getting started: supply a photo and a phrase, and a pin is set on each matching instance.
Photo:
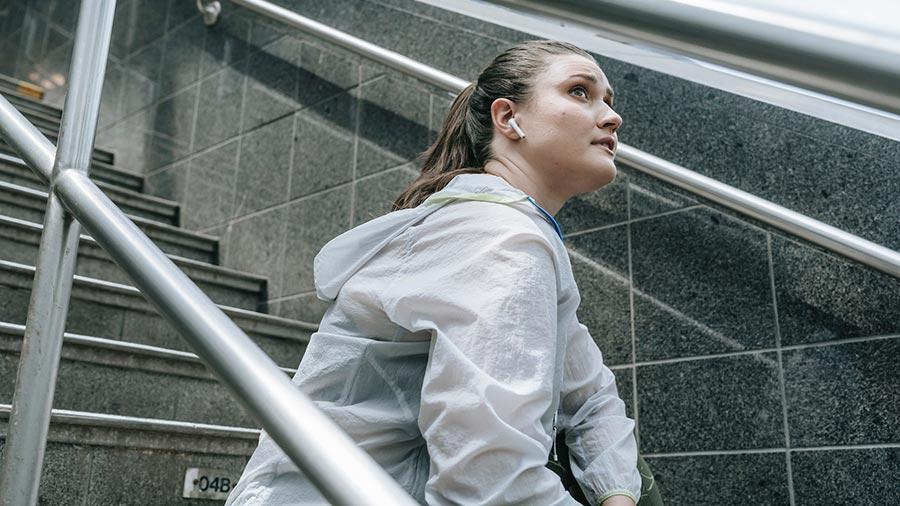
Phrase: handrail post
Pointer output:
(29, 419)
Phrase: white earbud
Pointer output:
(515, 126)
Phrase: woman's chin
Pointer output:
(605, 175)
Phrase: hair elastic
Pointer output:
(515, 126)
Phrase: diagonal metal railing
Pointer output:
(812, 230)
(342, 471)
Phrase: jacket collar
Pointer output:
(484, 186)
(342, 256)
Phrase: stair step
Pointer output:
(138, 204)
(20, 241)
(118, 311)
(11, 84)
(98, 155)
(129, 379)
(14, 170)
(29, 203)
(47, 121)
(96, 458)
(25, 102)
(150, 206)
(48, 125)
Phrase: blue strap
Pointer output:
(549, 218)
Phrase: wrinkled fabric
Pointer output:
(450, 347)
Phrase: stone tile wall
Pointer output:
(759, 369)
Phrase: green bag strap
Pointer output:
(486, 197)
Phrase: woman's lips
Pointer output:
(605, 149)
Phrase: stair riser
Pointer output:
(104, 312)
(113, 382)
(31, 105)
(47, 126)
(31, 208)
(107, 174)
(24, 176)
(98, 155)
(18, 245)
(89, 466)
(47, 119)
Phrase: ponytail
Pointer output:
(452, 153)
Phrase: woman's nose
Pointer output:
(610, 119)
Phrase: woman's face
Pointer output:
(566, 116)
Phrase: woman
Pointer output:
(452, 352)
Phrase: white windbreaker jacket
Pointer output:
(450, 350)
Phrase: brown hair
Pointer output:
(463, 144)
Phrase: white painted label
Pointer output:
(202, 483)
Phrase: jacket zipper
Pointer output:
(553, 437)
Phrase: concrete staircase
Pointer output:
(133, 408)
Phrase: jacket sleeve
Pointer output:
(600, 437)
(490, 299)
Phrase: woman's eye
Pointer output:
(582, 88)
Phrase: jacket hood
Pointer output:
(342, 256)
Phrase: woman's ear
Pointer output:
(503, 110)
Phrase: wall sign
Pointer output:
(202, 483)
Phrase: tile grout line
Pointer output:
(223, 255)
(712, 453)
(430, 115)
(169, 15)
(86, 488)
(222, 252)
(634, 388)
(849, 340)
(294, 121)
(282, 254)
(751, 451)
(237, 170)
(353, 162)
(628, 220)
(120, 96)
(781, 384)
(279, 270)
(194, 120)
(292, 296)
(846, 340)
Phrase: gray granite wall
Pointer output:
(760, 369)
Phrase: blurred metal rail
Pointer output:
(838, 61)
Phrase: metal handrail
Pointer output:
(343, 472)
(812, 230)
(29, 417)
(841, 62)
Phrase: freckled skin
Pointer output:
(556, 160)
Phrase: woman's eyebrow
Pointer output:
(592, 78)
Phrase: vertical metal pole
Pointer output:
(39, 359)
